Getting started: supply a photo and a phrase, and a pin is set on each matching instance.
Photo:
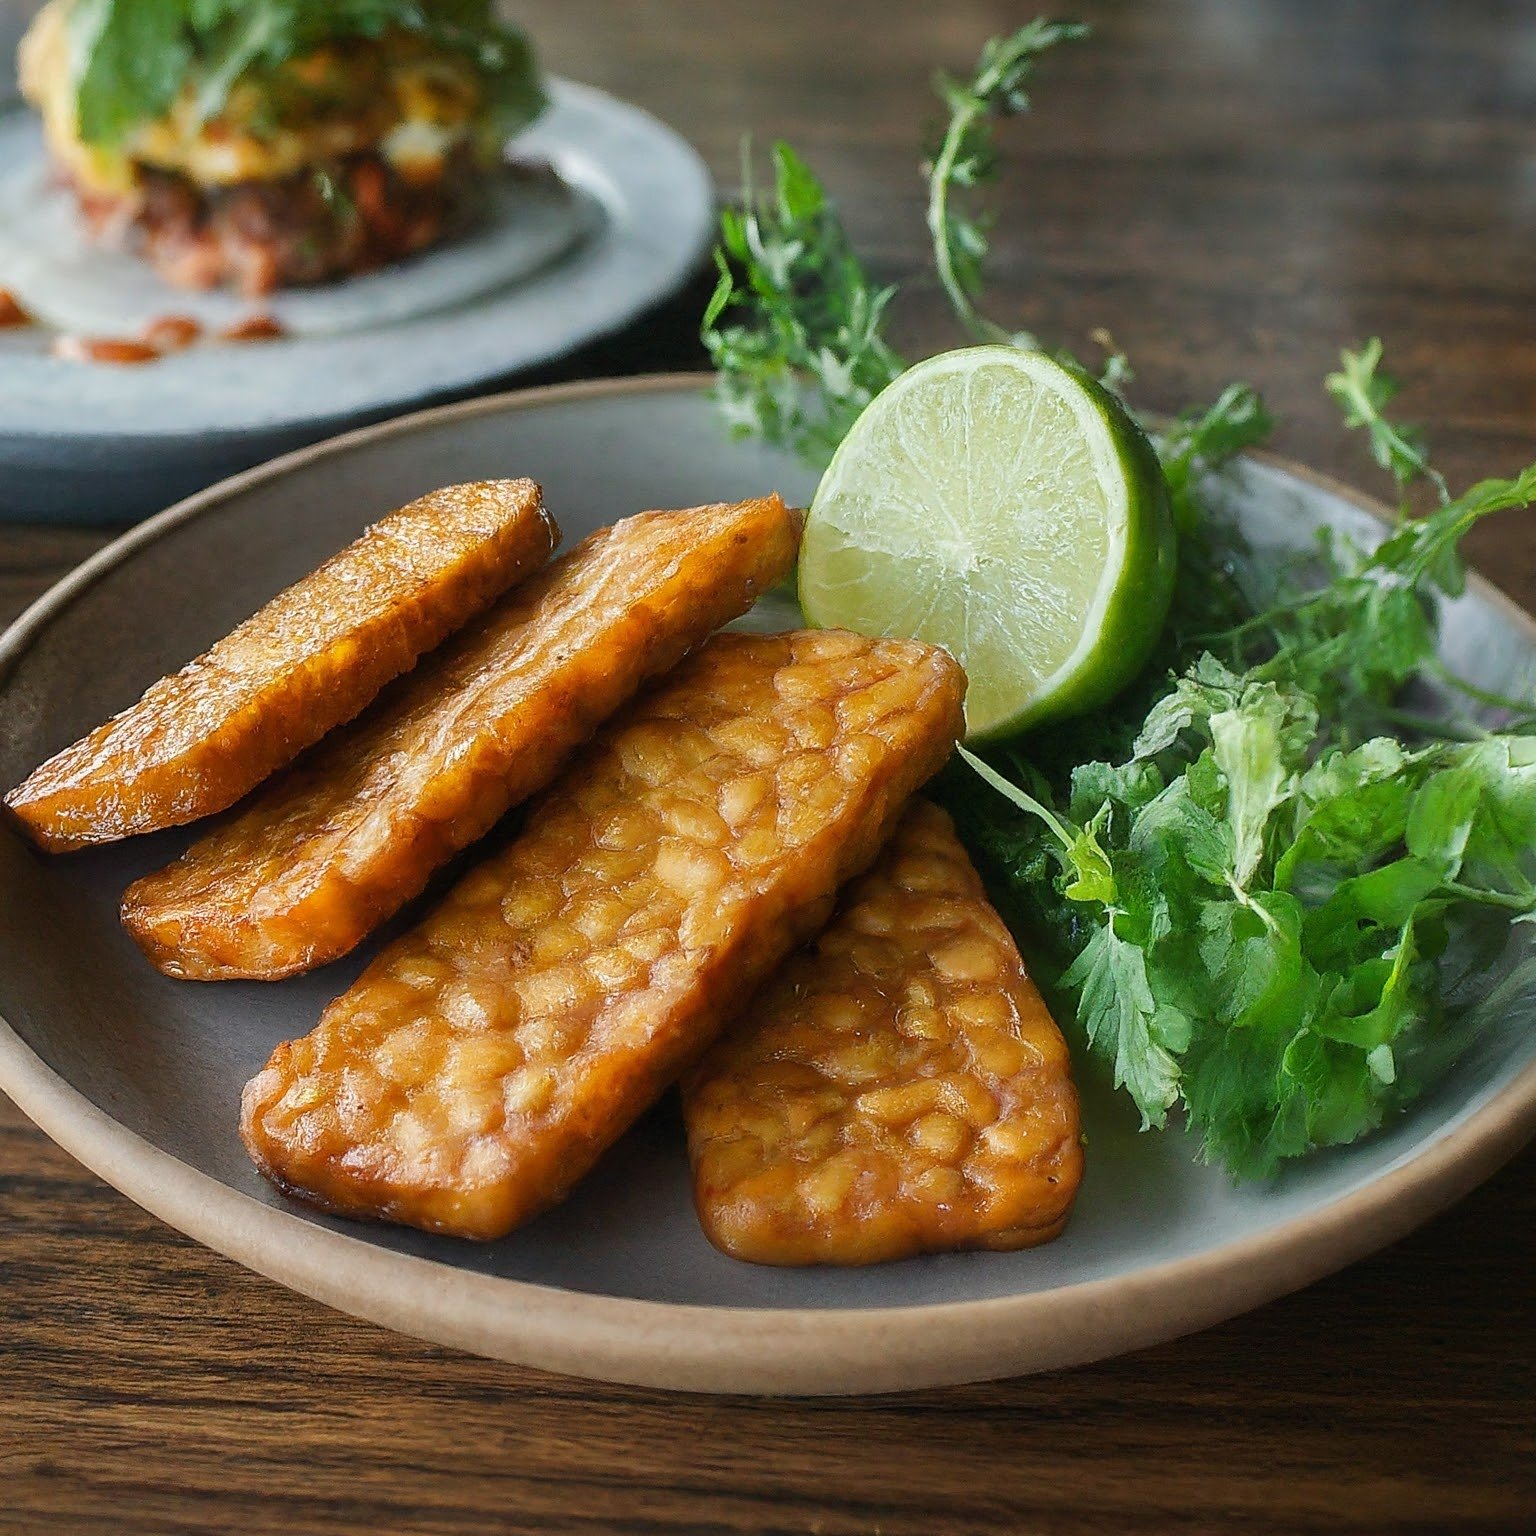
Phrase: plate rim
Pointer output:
(804, 1351)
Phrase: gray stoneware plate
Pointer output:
(139, 1077)
(94, 443)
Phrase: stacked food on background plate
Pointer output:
(387, 195)
(722, 877)
(280, 142)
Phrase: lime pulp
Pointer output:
(1005, 506)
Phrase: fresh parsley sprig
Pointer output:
(1265, 906)
(795, 326)
(965, 157)
(1363, 389)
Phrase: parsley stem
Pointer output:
(1022, 799)
(1241, 896)
(1436, 666)
(941, 229)
(1431, 726)
(966, 157)
(1488, 898)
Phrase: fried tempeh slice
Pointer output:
(897, 1088)
(311, 658)
(483, 1062)
(324, 855)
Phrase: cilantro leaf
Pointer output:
(1363, 389)
(1125, 1021)
(1255, 748)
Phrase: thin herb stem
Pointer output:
(940, 184)
(1437, 668)
(1433, 726)
(966, 157)
(1410, 456)
(1019, 797)
(1487, 898)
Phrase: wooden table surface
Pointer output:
(1234, 188)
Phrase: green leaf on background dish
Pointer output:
(131, 59)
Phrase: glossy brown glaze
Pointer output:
(11, 312)
(481, 1065)
(312, 658)
(898, 1087)
(324, 855)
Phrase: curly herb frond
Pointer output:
(965, 157)
(795, 327)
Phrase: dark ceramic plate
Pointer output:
(140, 1077)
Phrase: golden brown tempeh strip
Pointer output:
(328, 852)
(311, 658)
(484, 1061)
(897, 1088)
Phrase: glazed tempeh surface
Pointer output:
(313, 657)
(897, 1088)
(485, 1060)
(325, 854)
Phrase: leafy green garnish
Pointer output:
(1273, 896)
(1363, 389)
(131, 59)
(1266, 947)
(1278, 893)
(965, 156)
(1201, 441)
(1355, 640)
(795, 326)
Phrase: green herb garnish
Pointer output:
(1363, 389)
(1259, 903)
(1281, 870)
(795, 326)
(965, 157)
(131, 59)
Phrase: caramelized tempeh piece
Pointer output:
(313, 657)
(483, 1062)
(326, 854)
(897, 1088)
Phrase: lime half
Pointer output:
(1002, 505)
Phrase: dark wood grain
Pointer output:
(1234, 189)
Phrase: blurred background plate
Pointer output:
(94, 443)
(139, 1076)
